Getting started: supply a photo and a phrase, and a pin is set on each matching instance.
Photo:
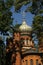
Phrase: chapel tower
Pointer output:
(27, 54)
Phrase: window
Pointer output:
(31, 62)
(26, 62)
(29, 42)
(37, 62)
(25, 42)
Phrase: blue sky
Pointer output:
(18, 16)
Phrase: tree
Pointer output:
(5, 21)
(38, 27)
(2, 52)
(17, 26)
(35, 7)
(19, 3)
(5, 15)
(10, 51)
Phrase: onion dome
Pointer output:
(25, 27)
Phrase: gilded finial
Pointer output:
(23, 15)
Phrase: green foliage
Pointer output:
(10, 49)
(5, 22)
(19, 3)
(5, 16)
(9, 3)
(2, 52)
(38, 27)
(17, 26)
(35, 8)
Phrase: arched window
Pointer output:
(37, 62)
(31, 62)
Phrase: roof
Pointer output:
(25, 27)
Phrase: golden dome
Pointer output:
(25, 27)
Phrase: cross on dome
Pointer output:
(23, 15)
(24, 26)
